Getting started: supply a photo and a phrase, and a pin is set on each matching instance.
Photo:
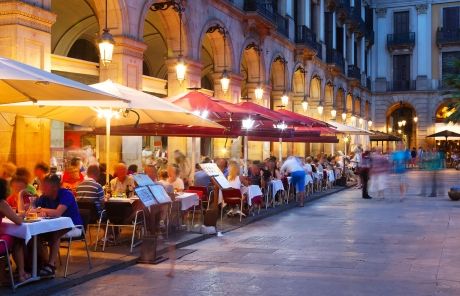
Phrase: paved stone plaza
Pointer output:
(340, 245)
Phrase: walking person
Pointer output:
(378, 173)
(399, 159)
(364, 174)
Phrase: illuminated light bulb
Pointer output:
(344, 116)
(369, 123)
(259, 93)
(248, 123)
(415, 119)
(304, 105)
(181, 68)
(285, 100)
(333, 113)
(225, 81)
(106, 45)
(320, 110)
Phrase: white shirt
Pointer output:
(235, 183)
(178, 184)
(118, 187)
(291, 165)
(308, 169)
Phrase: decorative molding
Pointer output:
(19, 13)
(381, 12)
(421, 8)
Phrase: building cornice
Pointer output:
(16, 12)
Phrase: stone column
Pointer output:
(321, 22)
(307, 13)
(362, 47)
(25, 36)
(382, 56)
(352, 49)
(334, 31)
(303, 13)
(125, 69)
(345, 43)
(423, 44)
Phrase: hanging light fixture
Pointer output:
(259, 91)
(305, 104)
(333, 113)
(285, 99)
(344, 116)
(281, 125)
(361, 121)
(369, 123)
(390, 130)
(225, 79)
(181, 67)
(415, 119)
(320, 108)
(106, 42)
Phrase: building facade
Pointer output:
(318, 52)
(417, 43)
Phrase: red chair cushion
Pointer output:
(198, 192)
(257, 200)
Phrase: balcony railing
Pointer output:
(355, 21)
(354, 72)
(262, 8)
(401, 41)
(445, 37)
(335, 58)
(305, 36)
(401, 85)
(282, 24)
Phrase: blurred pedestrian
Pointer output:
(399, 159)
(364, 174)
(378, 173)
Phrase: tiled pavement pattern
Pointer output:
(339, 245)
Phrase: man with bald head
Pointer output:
(123, 183)
(222, 164)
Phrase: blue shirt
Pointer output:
(400, 158)
(65, 198)
(202, 179)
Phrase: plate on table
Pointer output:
(26, 220)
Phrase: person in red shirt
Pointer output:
(19, 198)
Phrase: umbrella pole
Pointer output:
(192, 174)
(107, 149)
(280, 150)
(245, 152)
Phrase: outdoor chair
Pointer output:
(206, 197)
(94, 219)
(6, 257)
(232, 197)
(85, 216)
(116, 213)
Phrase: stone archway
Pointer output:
(349, 104)
(299, 89)
(399, 121)
(278, 81)
(252, 70)
(340, 101)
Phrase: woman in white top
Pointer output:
(234, 176)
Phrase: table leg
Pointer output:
(34, 258)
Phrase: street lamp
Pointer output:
(415, 119)
(305, 105)
(390, 130)
(403, 123)
(344, 116)
(333, 113)
(361, 121)
(285, 99)
(181, 67)
(320, 108)
(225, 81)
(106, 43)
(369, 123)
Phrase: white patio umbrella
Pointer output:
(350, 130)
(22, 83)
(137, 108)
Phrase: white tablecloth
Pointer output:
(27, 230)
(121, 199)
(253, 191)
(188, 200)
(276, 185)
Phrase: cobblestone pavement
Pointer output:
(340, 245)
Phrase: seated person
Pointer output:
(173, 178)
(255, 175)
(11, 242)
(19, 198)
(234, 177)
(40, 171)
(103, 175)
(90, 190)
(56, 202)
(72, 178)
(163, 174)
(201, 178)
(122, 183)
(132, 169)
(24, 173)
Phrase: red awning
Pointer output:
(322, 139)
(218, 110)
(308, 121)
(321, 129)
(268, 113)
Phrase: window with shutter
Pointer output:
(401, 22)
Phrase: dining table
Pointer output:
(29, 230)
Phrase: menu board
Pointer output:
(160, 194)
(145, 196)
(213, 171)
(142, 180)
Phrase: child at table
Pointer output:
(19, 198)
(16, 244)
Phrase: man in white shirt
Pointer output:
(293, 166)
